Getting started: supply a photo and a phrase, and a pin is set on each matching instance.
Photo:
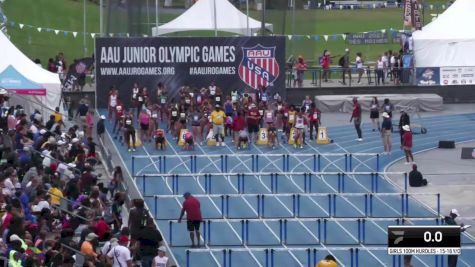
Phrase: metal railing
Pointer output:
(332, 77)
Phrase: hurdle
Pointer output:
(223, 202)
(161, 161)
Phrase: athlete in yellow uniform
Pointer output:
(217, 118)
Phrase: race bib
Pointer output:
(286, 114)
(264, 98)
(174, 113)
(269, 115)
(279, 107)
(261, 112)
(218, 99)
(187, 101)
(195, 117)
(291, 117)
(163, 100)
(233, 98)
(198, 99)
(315, 116)
(154, 115)
(128, 122)
(182, 115)
(140, 99)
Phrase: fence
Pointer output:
(317, 76)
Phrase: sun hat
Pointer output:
(455, 211)
(91, 236)
(103, 117)
(385, 115)
(162, 249)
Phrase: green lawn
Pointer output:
(68, 15)
(55, 14)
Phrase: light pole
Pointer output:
(84, 28)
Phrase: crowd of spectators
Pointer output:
(55, 208)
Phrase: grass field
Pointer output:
(68, 15)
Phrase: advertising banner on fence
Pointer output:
(368, 38)
(230, 62)
(457, 75)
(427, 76)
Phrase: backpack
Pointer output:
(341, 61)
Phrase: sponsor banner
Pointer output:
(408, 13)
(241, 63)
(368, 38)
(457, 75)
(416, 15)
(77, 70)
(427, 76)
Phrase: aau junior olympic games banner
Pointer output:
(230, 62)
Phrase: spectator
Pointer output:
(415, 177)
(356, 118)
(87, 247)
(300, 68)
(191, 206)
(345, 66)
(325, 61)
(100, 127)
(359, 66)
(120, 254)
(137, 219)
(161, 259)
(149, 239)
(116, 180)
(380, 71)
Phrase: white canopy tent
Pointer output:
(11, 56)
(212, 15)
(448, 41)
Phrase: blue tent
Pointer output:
(13, 80)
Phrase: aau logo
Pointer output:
(258, 66)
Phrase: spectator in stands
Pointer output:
(380, 71)
(87, 246)
(415, 177)
(161, 259)
(120, 255)
(116, 179)
(191, 206)
(149, 240)
(137, 219)
(100, 127)
(356, 118)
(117, 211)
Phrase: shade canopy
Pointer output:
(210, 15)
(17, 70)
(448, 41)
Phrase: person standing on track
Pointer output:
(217, 118)
(407, 144)
(403, 120)
(191, 206)
(386, 133)
(356, 118)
